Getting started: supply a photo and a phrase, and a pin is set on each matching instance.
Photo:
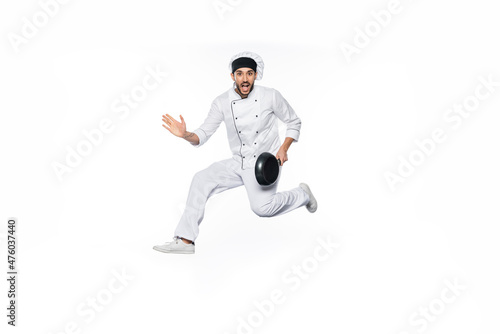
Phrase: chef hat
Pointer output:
(254, 56)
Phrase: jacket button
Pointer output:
(243, 157)
(236, 117)
(254, 155)
(257, 131)
(243, 144)
(256, 115)
(255, 143)
(234, 102)
(239, 131)
(255, 100)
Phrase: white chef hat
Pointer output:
(255, 57)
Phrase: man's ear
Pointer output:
(232, 76)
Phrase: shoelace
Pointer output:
(176, 239)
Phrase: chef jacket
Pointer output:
(250, 122)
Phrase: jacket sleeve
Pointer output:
(287, 115)
(210, 125)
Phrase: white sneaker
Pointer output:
(176, 246)
(312, 206)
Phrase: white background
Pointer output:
(397, 248)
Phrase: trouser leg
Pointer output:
(214, 179)
(265, 201)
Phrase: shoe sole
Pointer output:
(173, 252)
(312, 198)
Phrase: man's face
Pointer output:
(244, 78)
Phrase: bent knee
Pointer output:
(262, 211)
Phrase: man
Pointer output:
(249, 112)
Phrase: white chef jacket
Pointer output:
(250, 122)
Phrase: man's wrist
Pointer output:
(191, 137)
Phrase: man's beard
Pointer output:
(249, 91)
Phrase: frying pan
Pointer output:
(267, 169)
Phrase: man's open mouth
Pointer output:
(245, 86)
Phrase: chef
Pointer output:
(250, 113)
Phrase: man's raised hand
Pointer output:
(176, 128)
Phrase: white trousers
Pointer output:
(226, 174)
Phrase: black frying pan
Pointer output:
(267, 169)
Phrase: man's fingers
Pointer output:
(166, 127)
(170, 121)
(171, 117)
(168, 118)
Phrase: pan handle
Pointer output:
(279, 162)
